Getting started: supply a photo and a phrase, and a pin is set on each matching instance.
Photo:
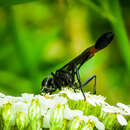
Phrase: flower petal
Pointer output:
(121, 120)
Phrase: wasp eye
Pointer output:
(43, 82)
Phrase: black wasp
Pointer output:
(68, 75)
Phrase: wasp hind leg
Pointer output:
(79, 81)
(88, 80)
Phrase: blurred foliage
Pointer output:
(39, 37)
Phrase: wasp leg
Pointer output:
(41, 92)
(76, 87)
(78, 78)
(88, 80)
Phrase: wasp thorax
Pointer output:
(63, 78)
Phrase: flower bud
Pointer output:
(77, 124)
(21, 120)
(7, 115)
(57, 116)
(34, 114)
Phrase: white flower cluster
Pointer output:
(62, 110)
(121, 110)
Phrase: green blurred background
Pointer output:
(37, 37)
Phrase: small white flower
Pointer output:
(70, 114)
(76, 123)
(72, 95)
(46, 119)
(21, 120)
(10, 99)
(86, 128)
(90, 101)
(21, 107)
(34, 111)
(124, 108)
(2, 101)
(8, 114)
(121, 120)
(84, 118)
(60, 100)
(99, 125)
(111, 109)
(45, 104)
(99, 100)
(19, 99)
(49, 103)
(57, 116)
(27, 97)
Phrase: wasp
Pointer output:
(68, 75)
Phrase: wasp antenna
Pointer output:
(104, 40)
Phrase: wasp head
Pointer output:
(47, 86)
